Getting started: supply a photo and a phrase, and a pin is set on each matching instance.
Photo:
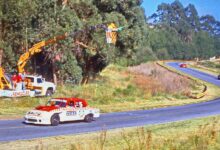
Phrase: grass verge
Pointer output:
(194, 134)
(209, 67)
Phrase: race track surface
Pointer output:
(11, 130)
(195, 73)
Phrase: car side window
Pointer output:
(79, 104)
(39, 80)
(71, 104)
(63, 105)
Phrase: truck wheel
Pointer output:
(88, 118)
(55, 120)
(49, 92)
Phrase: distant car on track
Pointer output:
(61, 110)
(183, 65)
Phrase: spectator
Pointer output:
(19, 82)
(14, 81)
(22, 81)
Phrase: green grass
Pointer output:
(114, 90)
(207, 66)
(197, 134)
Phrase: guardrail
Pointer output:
(195, 95)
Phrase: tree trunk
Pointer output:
(1, 40)
(54, 74)
(2, 30)
(1, 55)
(85, 80)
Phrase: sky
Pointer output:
(204, 7)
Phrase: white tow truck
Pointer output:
(39, 85)
(61, 110)
(33, 86)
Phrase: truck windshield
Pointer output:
(56, 103)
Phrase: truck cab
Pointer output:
(39, 85)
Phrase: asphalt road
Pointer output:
(198, 74)
(11, 130)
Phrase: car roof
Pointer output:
(74, 99)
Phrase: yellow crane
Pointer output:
(4, 82)
(36, 48)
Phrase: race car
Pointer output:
(218, 77)
(183, 65)
(61, 110)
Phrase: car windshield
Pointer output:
(56, 103)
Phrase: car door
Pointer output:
(37, 85)
(70, 113)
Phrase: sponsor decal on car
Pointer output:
(71, 113)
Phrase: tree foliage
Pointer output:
(175, 32)
(182, 34)
(27, 22)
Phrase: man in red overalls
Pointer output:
(19, 82)
(14, 81)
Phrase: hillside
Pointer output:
(118, 89)
(181, 34)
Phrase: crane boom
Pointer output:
(36, 49)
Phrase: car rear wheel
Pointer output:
(88, 118)
(55, 120)
(218, 77)
(49, 92)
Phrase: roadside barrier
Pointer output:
(191, 95)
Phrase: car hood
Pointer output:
(46, 108)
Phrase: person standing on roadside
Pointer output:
(19, 82)
(14, 80)
(22, 81)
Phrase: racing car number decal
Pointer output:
(71, 113)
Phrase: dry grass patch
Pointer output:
(156, 79)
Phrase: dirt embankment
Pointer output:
(156, 79)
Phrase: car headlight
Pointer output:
(38, 114)
(28, 113)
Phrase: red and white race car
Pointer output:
(183, 65)
(60, 110)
